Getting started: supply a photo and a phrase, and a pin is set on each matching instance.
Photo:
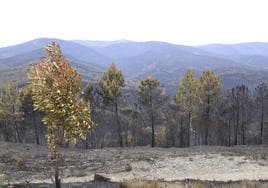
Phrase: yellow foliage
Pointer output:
(112, 82)
(187, 93)
(147, 87)
(209, 86)
(55, 86)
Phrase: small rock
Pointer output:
(128, 167)
(98, 177)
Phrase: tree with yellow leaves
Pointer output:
(209, 88)
(186, 99)
(112, 84)
(55, 88)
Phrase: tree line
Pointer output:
(201, 113)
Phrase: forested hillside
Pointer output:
(141, 112)
(167, 62)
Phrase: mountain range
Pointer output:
(244, 63)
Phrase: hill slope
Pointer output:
(236, 64)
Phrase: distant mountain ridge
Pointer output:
(243, 49)
(236, 63)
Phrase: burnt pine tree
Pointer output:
(245, 99)
(209, 88)
(241, 102)
(10, 113)
(55, 88)
(261, 97)
(186, 99)
(148, 90)
(112, 84)
(28, 110)
(236, 104)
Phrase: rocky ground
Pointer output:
(20, 163)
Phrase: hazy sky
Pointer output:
(190, 22)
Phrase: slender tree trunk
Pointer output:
(6, 133)
(195, 137)
(87, 141)
(35, 128)
(152, 117)
(236, 125)
(173, 139)
(126, 136)
(152, 124)
(243, 128)
(57, 173)
(118, 125)
(181, 133)
(17, 132)
(189, 129)
(262, 120)
(207, 122)
(229, 133)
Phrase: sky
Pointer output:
(188, 22)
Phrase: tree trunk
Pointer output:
(152, 124)
(35, 128)
(118, 125)
(57, 179)
(262, 120)
(189, 129)
(195, 137)
(173, 139)
(207, 122)
(181, 133)
(229, 133)
(17, 136)
(57, 174)
(6, 133)
(243, 128)
(236, 126)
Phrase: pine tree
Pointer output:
(10, 110)
(112, 84)
(28, 110)
(148, 95)
(55, 87)
(261, 99)
(240, 100)
(209, 88)
(186, 99)
(245, 98)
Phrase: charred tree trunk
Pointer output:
(18, 136)
(152, 117)
(35, 128)
(152, 124)
(262, 119)
(6, 133)
(207, 122)
(229, 133)
(118, 125)
(189, 129)
(236, 126)
(243, 129)
(181, 132)
(56, 168)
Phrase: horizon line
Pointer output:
(129, 40)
